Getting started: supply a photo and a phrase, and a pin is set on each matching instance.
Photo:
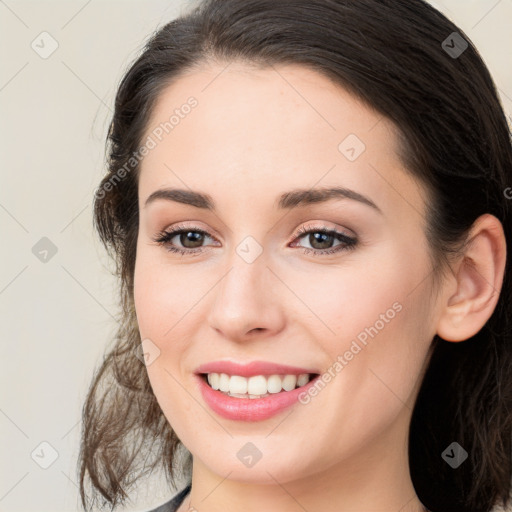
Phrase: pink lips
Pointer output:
(248, 409)
(252, 368)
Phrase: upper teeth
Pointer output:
(256, 385)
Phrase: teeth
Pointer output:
(274, 384)
(224, 382)
(238, 385)
(302, 380)
(256, 386)
(289, 382)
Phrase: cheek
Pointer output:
(358, 293)
(162, 301)
(164, 293)
(376, 317)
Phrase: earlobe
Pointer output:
(479, 278)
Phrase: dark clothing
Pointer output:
(173, 505)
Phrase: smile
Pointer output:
(257, 386)
(254, 405)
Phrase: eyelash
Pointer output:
(164, 237)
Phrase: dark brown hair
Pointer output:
(455, 140)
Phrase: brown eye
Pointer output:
(183, 240)
(321, 240)
(191, 239)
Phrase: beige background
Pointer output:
(56, 315)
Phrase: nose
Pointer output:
(246, 302)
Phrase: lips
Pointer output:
(253, 368)
(252, 408)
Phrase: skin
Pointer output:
(255, 134)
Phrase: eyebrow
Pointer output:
(287, 200)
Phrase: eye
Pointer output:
(322, 238)
(190, 237)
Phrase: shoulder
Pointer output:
(174, 503)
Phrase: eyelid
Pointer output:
(322, 226)
(176, 229)
(350, 241)
(185, 226)
(304, 229)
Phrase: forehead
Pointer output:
(259, 129)
(252, 103)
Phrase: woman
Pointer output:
(307, 202)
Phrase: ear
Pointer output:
(473, 294)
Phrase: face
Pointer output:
(338, 287)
